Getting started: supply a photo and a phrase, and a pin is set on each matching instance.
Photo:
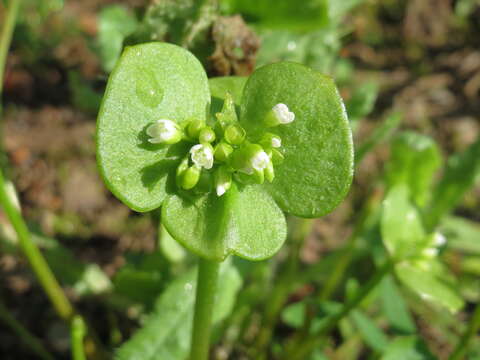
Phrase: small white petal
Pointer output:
(162, 130)
(440, 239)
(276, 142)
(221, 189)
(202, 156)
(283, 114)
(260, 161)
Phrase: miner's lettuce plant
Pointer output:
(222, 179)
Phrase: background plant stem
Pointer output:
(28, 339)
(5, 40)
(308, 345)
(77, 335)
(37, 262)
(473, 328)
(207, 281)
(34, 256)
(6, 37)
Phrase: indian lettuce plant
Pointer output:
(223, 179)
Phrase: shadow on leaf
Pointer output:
(152, 174)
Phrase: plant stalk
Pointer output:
(37, 262)
(77, 335)
(311, 341)
(5, 40)
(35, 258)
(473, 328)
(6, 36)
(207, 281)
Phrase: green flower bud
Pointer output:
(222, 151)
(223, 180)
(276, 156)
(181, 170)
(269, 172)
(234, 134)
(194, 127)
(207, 135)
(228, 114)
(280, 114)
(164, 131)
(190, 177)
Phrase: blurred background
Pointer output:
(399, 64)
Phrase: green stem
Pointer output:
(5, 40)
(473, 328)
(311, 341)
(6, 36)
(77, 335)
(300, 228)
(31, 341)
(207, 281)
(34, 256)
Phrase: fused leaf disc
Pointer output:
(318, 148)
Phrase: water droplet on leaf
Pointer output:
(148, 90)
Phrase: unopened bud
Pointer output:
(228, 114)
(223, 151)
(276, 156)
(234, 134)
(269, 172)
(194, 128)
(207, 135)
(190, 177)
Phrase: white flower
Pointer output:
(260, 160)
(202, 155)
(276, 142)
(439, 239)
(283, 114)
(221, 189)
(164, 131)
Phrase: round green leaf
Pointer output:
(151, 81)
(318, 167)
(244, 222)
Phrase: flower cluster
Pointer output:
(222, 153)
